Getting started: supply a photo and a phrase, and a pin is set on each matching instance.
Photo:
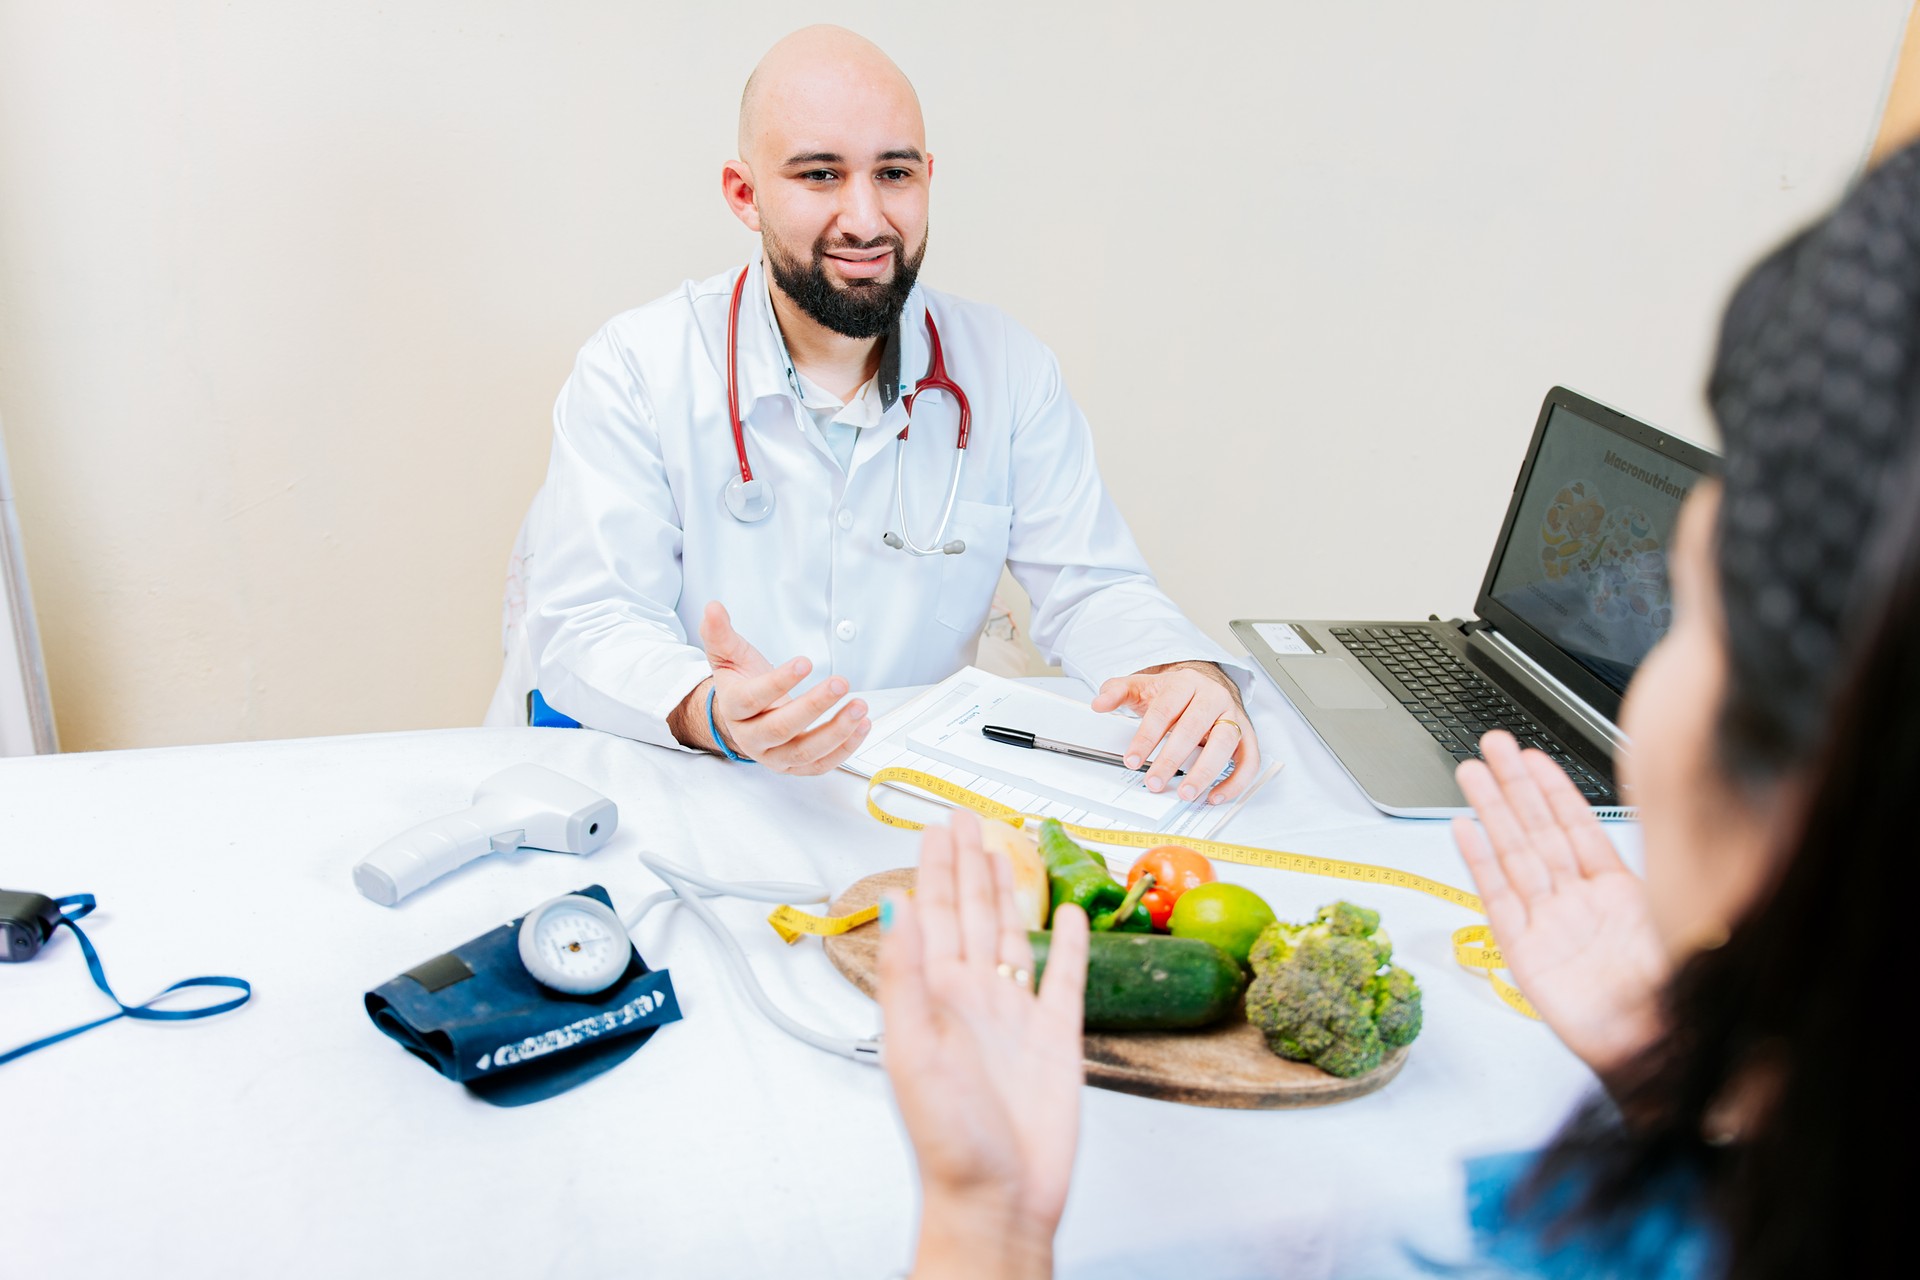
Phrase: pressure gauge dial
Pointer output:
(575, 944)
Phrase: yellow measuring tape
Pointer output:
(1472, 945)
(793, 924)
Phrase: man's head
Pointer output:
(833, 173)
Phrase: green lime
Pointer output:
(1226, 915)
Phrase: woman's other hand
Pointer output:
(987, 1075)
(1566, 913)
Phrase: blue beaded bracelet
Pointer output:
(713, 727)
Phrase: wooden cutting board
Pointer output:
(1228, 1065)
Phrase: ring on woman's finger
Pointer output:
(1019, 977)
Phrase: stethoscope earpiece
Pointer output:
(895, 541)
(750, 501)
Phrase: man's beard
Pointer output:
(854, 308)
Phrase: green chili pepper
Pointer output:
(1077, 876)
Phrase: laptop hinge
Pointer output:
(1568, 702)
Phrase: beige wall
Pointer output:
(286, 289)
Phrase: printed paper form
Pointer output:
(939, 733)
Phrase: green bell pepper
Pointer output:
(1077, 876)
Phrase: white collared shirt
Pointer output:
(633, 538)
(839, 422)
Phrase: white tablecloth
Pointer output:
(292, 1139)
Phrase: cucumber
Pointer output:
(1150, 982)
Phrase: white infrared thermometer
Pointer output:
(525, 807)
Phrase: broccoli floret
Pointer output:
(1396, 1007)
(1322, 992)
(1382, 945)
(1275, 943)
(1345, 918)
(1316, 1004)
(1352, 921)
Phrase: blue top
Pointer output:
(1669, 1238)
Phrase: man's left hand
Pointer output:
(1190, 704)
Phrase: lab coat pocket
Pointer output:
(967, 581)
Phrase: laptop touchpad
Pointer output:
(1331, 683)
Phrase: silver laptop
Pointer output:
(1574, 596)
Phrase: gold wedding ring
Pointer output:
(1235, 723)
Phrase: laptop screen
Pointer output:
(1585, 560)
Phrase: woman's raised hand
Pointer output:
(1569, 917)
(986, 1073)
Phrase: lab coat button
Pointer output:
(847, 629)
(844, 519)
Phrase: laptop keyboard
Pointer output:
(1455, 703)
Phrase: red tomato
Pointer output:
(1175, 870)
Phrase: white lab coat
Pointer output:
(630, 538)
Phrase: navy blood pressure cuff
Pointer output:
(477, 1016)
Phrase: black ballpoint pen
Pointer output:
(1033, 741)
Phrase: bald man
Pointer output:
(733, 461)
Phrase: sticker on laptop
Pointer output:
(1284, 637)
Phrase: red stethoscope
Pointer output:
(750, 501)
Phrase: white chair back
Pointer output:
(509, 706)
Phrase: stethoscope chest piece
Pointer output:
(748, 501)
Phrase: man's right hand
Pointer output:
(755, 716)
